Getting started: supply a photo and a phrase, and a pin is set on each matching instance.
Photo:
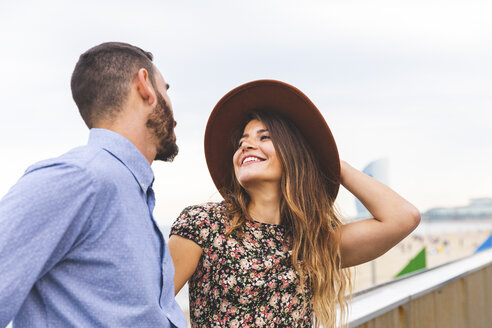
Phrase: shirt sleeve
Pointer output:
(196, 224)
(41, 219)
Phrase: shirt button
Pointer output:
(143, 185)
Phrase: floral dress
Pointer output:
(247, 282)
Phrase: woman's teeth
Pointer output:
(250, 159)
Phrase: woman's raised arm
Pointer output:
(394, 218)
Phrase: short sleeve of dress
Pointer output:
(196, 223)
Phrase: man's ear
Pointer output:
(144, 86)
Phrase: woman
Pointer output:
(274, 252)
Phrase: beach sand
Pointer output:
(440, 248)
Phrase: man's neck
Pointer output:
(138, 137)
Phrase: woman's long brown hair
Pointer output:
(309, 215)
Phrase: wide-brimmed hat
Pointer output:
(233, 110)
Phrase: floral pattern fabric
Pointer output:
(242, 282)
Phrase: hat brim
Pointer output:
(233, 109)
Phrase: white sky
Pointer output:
(408, 80)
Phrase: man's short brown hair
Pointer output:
(102, 78)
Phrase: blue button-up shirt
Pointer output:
(79, 246)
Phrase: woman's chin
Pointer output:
(255, 182)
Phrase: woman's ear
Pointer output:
(144, 87)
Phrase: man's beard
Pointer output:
(161, 122)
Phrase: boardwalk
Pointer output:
(457, 294)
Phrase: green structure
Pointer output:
(417, 263)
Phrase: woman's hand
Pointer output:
(394, 218)
(186, 255)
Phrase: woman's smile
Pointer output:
(249, 159)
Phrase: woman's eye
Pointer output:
(264, 137)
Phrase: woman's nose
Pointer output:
(247, 145)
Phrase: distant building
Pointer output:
(478, 208)
(377, 169)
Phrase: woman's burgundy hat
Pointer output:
(233, 110)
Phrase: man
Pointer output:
(79, 246)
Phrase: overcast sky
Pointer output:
(410, 81)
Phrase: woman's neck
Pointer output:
(265, 207)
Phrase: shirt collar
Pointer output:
(126, 152)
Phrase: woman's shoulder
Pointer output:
(204, 214)
(206, 210)
(201, 222)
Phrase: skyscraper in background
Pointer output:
(377, 169)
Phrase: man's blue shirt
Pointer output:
(79, 246)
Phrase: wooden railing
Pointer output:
(457, 294)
